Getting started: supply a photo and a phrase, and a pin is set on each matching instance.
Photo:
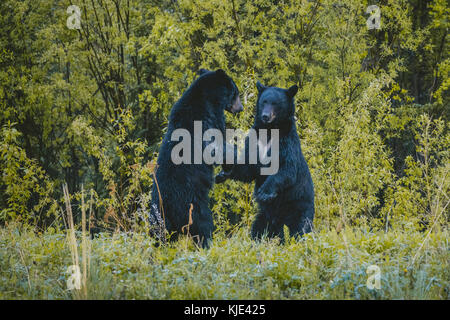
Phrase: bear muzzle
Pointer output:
(267, 115)
(237, 106)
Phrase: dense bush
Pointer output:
(89, 107)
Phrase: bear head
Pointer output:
(274, 106)
(220, 89)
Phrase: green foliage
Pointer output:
(22, 181)
(91, 105)
(324, 265)
(421, 195)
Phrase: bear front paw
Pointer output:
(265, 196)
(221, 177)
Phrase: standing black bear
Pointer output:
(179, 186)
(286, 197)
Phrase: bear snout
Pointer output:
(268, 115)
(237, 106)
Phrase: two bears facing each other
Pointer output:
(180, 192)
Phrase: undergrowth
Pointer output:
(321, 265)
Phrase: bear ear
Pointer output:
(292, 91)
(260, 87)
(220, 71)
(202, 72)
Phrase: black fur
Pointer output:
(287, 197)
(185, 184)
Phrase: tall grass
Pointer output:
(80, 287)
(319, 266)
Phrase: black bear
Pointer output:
(180, 191)
(287, 196)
